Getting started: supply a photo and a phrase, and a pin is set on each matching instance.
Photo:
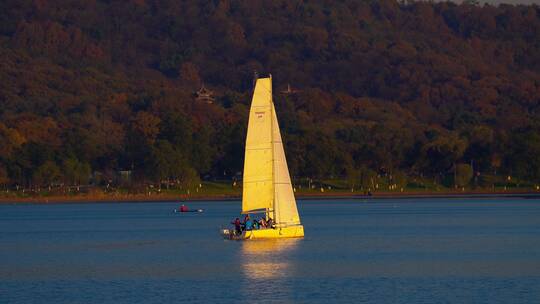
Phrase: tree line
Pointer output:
(92, 88)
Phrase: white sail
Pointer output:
(286, 213)
(258, 188)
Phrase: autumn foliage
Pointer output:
(407, 88)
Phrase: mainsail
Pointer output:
(267, 183)
(258, 192)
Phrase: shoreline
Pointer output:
(156, 198)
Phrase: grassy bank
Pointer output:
(228, 190)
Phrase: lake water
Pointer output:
(355, 251)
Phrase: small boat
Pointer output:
(194, 210)
(267, 188)
(184, 209)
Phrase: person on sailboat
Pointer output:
(246, 218)
(237, 226)
(256, 225)
(262, 223)
(270, 223)
(248, 225)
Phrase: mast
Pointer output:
(272, 139)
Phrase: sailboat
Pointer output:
(267, 188)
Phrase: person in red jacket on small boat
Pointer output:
(183, 208)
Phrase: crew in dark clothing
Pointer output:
(262, 223)
(270, 223)
(237, 226)
(256, 225)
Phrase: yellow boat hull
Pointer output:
(286, 232)
(277, 233)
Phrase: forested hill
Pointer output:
(375, 86)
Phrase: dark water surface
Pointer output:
(355, 251)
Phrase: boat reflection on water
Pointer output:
(267, 259)
(267, 265)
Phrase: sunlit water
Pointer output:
(355, 251)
